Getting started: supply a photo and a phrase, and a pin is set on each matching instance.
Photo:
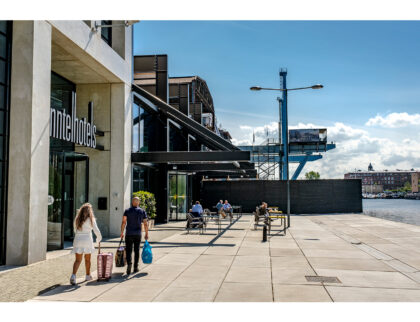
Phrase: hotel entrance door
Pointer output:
(67, 191)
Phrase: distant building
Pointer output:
(387, 179)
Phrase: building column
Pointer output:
(29, 143)
(120, 155)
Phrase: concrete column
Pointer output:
(29, 143)
(120, 154)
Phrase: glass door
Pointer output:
(178, 199)
(68, 190)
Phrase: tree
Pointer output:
(312, 175)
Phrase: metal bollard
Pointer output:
(265, 233)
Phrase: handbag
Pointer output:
(146, 254)
(120, 255)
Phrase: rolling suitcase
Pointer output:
(105, 263)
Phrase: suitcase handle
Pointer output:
(99, 247)
(120, 242)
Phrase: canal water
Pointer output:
(402, 210)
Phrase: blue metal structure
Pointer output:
(284, 168)
(298, 153)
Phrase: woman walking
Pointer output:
(83, 242)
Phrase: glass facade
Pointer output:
(144, 130)
(5, 64)
(68, 173)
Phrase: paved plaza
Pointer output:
(322, 258)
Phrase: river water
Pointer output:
(402, 210)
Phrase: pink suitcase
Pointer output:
(105, 263)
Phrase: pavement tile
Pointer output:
(292, 276)
(256, 251)
(78, 293)
(300, 293)
(251, 261)
(201, 275)
(174, 293)
(214, 260)
(274, 251)
(245, 292)
(162, 272)
(135, 290)
(290, 262)
(370, 278)
(177, 259)
(363, 294)
(222, 250)
(239, 274)
(336, 253)
(350, 264)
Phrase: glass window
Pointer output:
(2, 96)
(136, 126)
(106, 33)
(3, 47)
(3, 73)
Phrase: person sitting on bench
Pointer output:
(219, 208)
(227, 208)
(197, 209)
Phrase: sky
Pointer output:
(370, 70)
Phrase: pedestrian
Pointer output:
(84, 223)
(132, 221)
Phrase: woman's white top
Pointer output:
(83, 241)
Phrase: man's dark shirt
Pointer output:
(135, 217)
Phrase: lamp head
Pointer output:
(317, 86)
(255, 88)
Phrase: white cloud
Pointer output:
(394, 120)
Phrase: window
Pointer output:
(106, 32)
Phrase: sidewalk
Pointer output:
(322, 258)
(25, 282)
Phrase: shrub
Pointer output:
(147, 202)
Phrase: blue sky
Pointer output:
(370, 71)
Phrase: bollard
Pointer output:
(265, 233)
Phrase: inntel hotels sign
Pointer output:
(69, 128)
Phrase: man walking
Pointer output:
(132, 219)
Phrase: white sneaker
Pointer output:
(88, 278)
(73, 279)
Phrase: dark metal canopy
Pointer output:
(197, 167)
(190, 156)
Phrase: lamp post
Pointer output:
(283, 120)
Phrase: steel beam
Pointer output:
(292, 158)
(195, 167)
(293, 148)
(190, 156)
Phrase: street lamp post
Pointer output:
(283, 119)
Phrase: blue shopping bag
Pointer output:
(146, 254)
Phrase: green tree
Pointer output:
(312, 175)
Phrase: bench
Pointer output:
(195, 223)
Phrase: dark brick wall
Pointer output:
(307, 196)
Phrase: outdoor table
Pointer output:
(239, 211)
(277, 214)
